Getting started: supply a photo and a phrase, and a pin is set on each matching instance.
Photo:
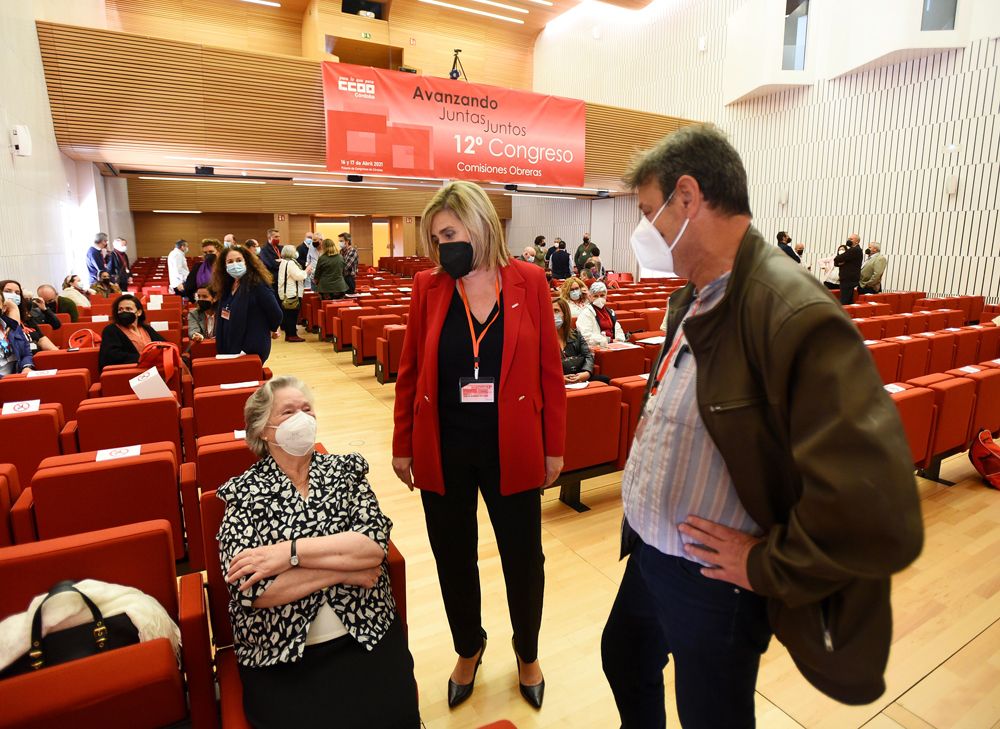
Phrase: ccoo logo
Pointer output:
(359, 87)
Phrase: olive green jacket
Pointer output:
(818, 457)
(328, 277)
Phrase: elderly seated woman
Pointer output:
(598, 323)
(303, 544)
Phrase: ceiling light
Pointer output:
(187, 212)
(300, 180)
(269, 3)
(528, 194)
(350, 187)
(473, 11)
(540, 2)
(201, 179)
(501, 5)
(244, 161)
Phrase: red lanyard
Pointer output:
(476, 341)
(678, 340)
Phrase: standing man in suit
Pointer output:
(849, 264)
(785, 244)
(270, 255)
(99, 259)
(122, 263)
(873, 270)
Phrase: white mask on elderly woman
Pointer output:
(297, 435)
(599, 303)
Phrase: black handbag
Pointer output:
(100, 635)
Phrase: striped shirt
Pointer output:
(675, 469)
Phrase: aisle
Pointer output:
(944, 669)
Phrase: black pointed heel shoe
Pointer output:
(534, 695)
(459, 692)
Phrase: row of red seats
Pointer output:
(907, 356)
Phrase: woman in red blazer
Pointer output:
(480, 408)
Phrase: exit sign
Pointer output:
(366, 36)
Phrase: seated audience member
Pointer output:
(328, 278)
(202, 318)
(577, 359)
(598, 323)
(303, 546)
(873, 270)
(15, 348)
(74, 290)
(590, 272)
(123, 340)
(249, 312)
(228, 240)
(201, 275)
(104, 288)
(527, 255)
(561, 262)
(57, 304)
(553, 286)
(574, 292)
(28, 315)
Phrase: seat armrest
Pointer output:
(196, 651)
(266, 374)
(188, 434)
(95, 390)
(192, 515)
(623, 436)
(187, 389)
(68, 437)
(22, 518)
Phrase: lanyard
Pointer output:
(678, 340)
(476, 341)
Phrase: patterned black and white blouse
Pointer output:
(263, 507)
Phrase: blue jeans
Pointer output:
(715, 631)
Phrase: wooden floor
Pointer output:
(944, 670)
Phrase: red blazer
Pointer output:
(531, 396)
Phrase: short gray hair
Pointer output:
(257, 411)
(289, 252)
(876, 245)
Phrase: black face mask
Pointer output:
(51, 304)
(125, 318)
(210, 258)
(105, 281)
(456, 258)
(204, 305)
(848, 243)
(315, 244)
(586, 241)
(868, 251)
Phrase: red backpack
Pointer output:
(985, 457)
(83, 338)
(164, 356)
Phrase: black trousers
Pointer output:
(715, 632)
(349, 278)
(847, 293)
(472, 466)
(337, 684)
(290, 321)
(831, 286)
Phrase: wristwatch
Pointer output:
(294, 560)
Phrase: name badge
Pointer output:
(225, 314)
(472, 390)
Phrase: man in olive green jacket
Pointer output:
(873, 270)
(750, 505)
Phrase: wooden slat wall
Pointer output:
(129, 99)
(155, 234)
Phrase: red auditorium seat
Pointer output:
(115, 380)
(886, 356)
(67, 387)
(955, 399)
(621, 360)
(230, 687)
(388, 349)
(595, 410)
(869, 328)
(9, 491)
(915, 323)
(365, 333)
(204, 349)
(913, 353)
(27, 439)
(918, 412)
(124, 420)
(966, 346)
(987, 410)
(955, 317)
(653, 317)
(343, 325)
(218, 409)
(328, 314)
(115, 688)
(244, 368)
(219, 457)
(633, 393)
(633, 324)
(892, 326)
(63, 359)
(76, 493)
(989, 341)
(936, 320)
(941, 355)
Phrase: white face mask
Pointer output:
(648, 244)
(599, 303)
(529, 259)
(575, 294)
(297, 435)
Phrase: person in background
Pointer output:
(302, 252)
(598, 323)
(551, 282)
(540, 252)
(583, 253)
(800, 248)
(123, 340)
(873, 270)
(105, 288)
(849, 265)
(590, 272)
(177, 267)
(201, 275)
(527, 255)
(74, 290)
(290, 290)
(270, 254)
(550, 250)
(15, 348)
(229, 240)
(58, 304)
(99, 258)
(252, 245)
(741, 515)
(831, 278)
(249, 312)
(202, 318)
(577, 358)
(315, 251)
(328, 277)
(350, 254)
(122, 264)
(480, 321)
(560, 262)
(26, 312)
(303, 545)
(785, 244)
(574, 291)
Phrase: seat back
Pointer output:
(955, 398)
(67, 387)
(915, 322)
(220, 457)
(941, 354)
(917, 411)
(886, 357)
(9, 491)
(593, 426)
(348, 318)
(371, 329)
(124, 420)
(966, 347)
(912, 356)
(986, 414)
(208, 372)
(892, 326)
(989, 341)
(219, 409)
(27, 439)
(869, 328)
(63, 359)
(77, 493)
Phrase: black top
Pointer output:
(849, 263)
(560, 264)
(117, 348)
(455, 361)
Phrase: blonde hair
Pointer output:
(473, 207)
(568, 284)
(257, 411)
(330, 247)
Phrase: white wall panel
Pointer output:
(862, 153)
(567, 219)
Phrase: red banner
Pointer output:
(400, 124)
